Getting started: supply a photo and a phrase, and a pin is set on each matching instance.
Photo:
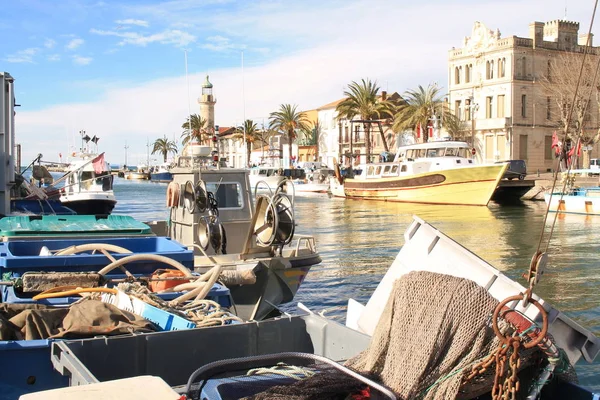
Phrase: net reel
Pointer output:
(210, 229)
(275, 222)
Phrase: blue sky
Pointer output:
(117, 70)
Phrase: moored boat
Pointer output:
(88, 185)
(161, 173)
(441, 172)
(583, 200)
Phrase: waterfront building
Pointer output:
(494, 85)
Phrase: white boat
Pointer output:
(271, 177)
(585, 200)
(440, 172)
(88, 185)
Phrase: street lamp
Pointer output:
(473, 107)
(126, 147)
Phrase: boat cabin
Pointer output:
(420, 158)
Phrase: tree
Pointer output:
(164, 146)
(287, 120)
(252, 135)
(456, 127)
(198, 130)
(420, 105)
(362, 101)
(571, 106)
(312, 136)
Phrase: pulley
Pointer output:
(189, 197)
(212, 233)
(201, 196)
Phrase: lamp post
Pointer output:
(473, 107)
(126, 147)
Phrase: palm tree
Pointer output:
(252, 135)
(164, 146)
(456, 128)
(198, 131)
(362, 101)
(312, 136)
(420, 105)
(287, 120)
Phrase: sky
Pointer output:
(117, 69)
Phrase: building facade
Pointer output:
(494, 85)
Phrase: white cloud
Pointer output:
(22, 56)
(74, 43)
(53, 57)
(129, 21)
(80, 60)
(169, 36)
(49, 43)
(220, 44)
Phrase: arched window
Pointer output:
(492, 69)
(456, 75)
(468, 73)
(487, 70)
(501, 67)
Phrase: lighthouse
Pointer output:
(207, 107)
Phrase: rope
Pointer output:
(290, 371)
(53, 293)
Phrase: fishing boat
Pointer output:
(310, 353)
(582, 200)
(140, 173)
(161, 173)
(438, 172)
(88, 185)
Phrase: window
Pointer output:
(229, 194)
(346, 136)
(378, 170)
(488, 107)
(370, 170)
(457, 108)
(487, 70)
(548, 150)
(500, 106)
(386, 170)
(548, 109)
(523, 105)
(523, 147)
(394, 169)
(468, 73)
(549, 69)
(501, 67)
(456, 76)
(451, 152)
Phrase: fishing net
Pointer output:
(433, 330)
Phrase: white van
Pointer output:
(595, 165)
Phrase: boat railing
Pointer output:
(310, 243)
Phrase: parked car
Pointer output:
(595, 165)
(516, 169)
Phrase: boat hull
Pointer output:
(461, 186)
(582, 201)
(91, 206)
(161, 177)
(137, 175)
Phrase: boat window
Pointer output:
(386, 170)
(464, 153)
(378, 170)
(229, 194)
(394, 169)
(451, 151)
(403, 169)
(86, 179)
(435, 152)
(410, 153)
(370, 170)
(262, 172)
(269, 172)
(421, 153)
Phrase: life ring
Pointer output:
(338, 174)
(173, 195)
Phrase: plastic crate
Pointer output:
(163, 319)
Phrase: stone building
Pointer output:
(494, 85)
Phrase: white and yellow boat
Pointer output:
(440, 172)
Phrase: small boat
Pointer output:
(88, 185)
(583, 200)
(161, 173)
(439, 172)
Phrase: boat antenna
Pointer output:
(188, 95)
(244, 115)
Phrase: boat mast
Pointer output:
(188, 96)
(244, 115)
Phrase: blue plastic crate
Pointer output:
(241, 386)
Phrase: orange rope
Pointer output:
(52, 293)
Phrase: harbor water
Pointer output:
(358, 241)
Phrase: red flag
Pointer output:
(572, 151)
(418, 129)
(555, 143)
(98, 163)
(430, 129)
